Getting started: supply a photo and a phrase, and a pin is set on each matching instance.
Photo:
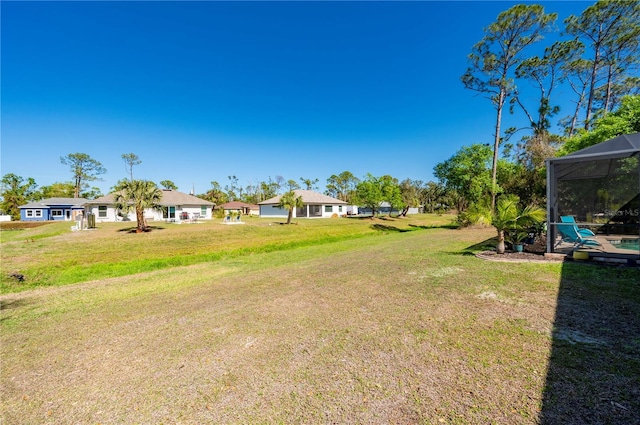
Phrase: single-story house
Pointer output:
(316, 205)
(52, 209)
(243, 207)
(385, 208)
(176, 206)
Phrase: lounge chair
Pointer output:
(569, 233)
(583, 232)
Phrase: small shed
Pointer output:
(241, 207)
(600, 187)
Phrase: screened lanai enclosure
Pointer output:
(599, 189)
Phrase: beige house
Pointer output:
(176, 207)
(316, 205)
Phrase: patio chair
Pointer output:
(569, 233)
(569, 219)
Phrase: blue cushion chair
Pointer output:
(569, 233)
(569, 219)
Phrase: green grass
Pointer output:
(52, 255)
(326, 321)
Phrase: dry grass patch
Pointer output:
(401, 327)
(363, 333)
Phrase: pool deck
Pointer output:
(609, 248)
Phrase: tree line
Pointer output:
(368, 192)
(596, 60)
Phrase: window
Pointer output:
(29, 213)
(38, 213)
(102, 211)
(328, 208)
(315, 210)
(169, 212)
(56, 213)
(203, 211)
(339, 208)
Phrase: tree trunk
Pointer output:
(140, 220)
(76, 192)
(607, 99)
(500, 246)
(496, 147)
(574, 120)
(290, 215)
(592, 85)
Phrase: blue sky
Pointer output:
(204, 90)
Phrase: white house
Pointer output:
(316, 205)
(176, 206)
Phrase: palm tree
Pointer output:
(290, 201)
(138, 194)
(507, 217)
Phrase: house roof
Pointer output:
(599, 160)
(308, 197)
(173, 197)
(236, 205)
(618, 147)
(169, 198)
(46, 203)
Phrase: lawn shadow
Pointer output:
(386, 218)
(134, 229)
(593, 375)
(436, 226)
(463, 253)
(385, 228)
(485, 245)
(10, 304)
(412, 227)
(359, 217)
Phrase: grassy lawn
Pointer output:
(53, 255)
(327, 321)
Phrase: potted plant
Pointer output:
(516, 237)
